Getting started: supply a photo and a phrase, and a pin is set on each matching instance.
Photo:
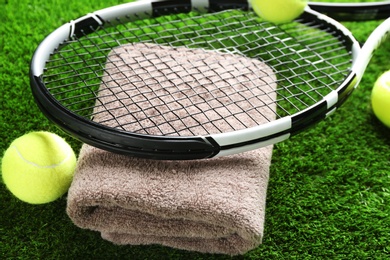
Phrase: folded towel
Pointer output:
(214, 206)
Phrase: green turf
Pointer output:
(328, 195)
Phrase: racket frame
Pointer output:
(177, 147)
(353, 11)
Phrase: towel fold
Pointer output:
(213, 206)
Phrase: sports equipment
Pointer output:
(132, 101)
(380, 98)
(279, 11)
(38, 167)
(353, 11)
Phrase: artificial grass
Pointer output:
(328, 195)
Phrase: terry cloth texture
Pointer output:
(158, 90)
(213, 206)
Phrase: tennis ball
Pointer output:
(278, 11)
(38, 167)
(380, 98)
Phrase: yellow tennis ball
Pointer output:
(38, 167)
(380, 98)
(278, 11)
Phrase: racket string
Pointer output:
(309, 64)
(205, 99)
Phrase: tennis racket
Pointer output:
(180, 80)
(353, 11)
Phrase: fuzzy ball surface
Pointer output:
(38, 167)
(278, 11)
(380, 98)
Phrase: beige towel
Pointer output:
(214, 206)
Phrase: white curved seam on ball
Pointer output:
(41, 166)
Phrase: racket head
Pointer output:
(353, 11)
(161, 21)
